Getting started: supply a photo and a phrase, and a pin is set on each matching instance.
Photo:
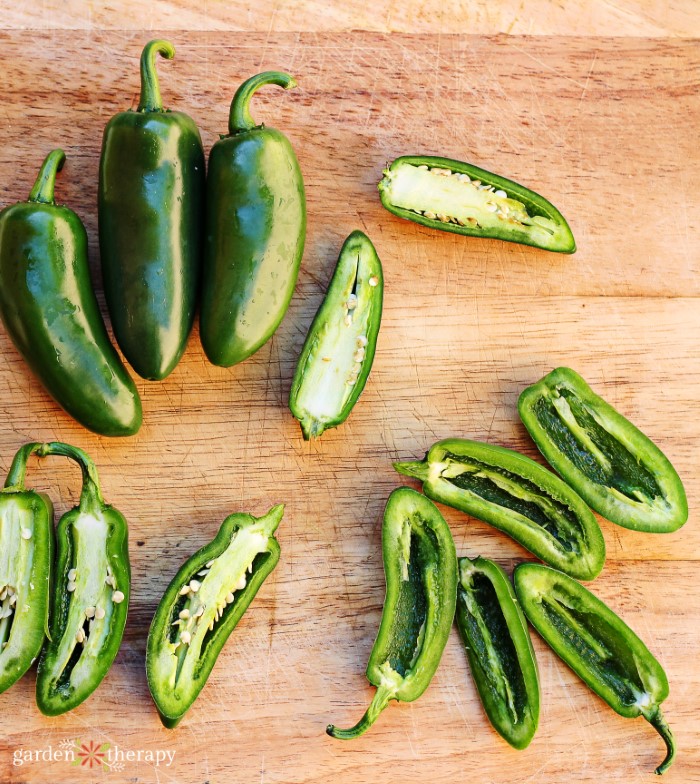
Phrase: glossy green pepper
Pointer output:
(598, 646)
(151, 213)
(202, 606)
(449, 195)
(255, 231)
(26, 561)
(420, 565)
(49, 310)
(339, 350)
(498, 646)
(613, 466)
(91, 594)
(516, 495)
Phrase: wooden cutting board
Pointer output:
(605, 128)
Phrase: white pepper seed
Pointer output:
(423, 167)
(373, 281)
(229, 598)
(491, 207)
(195, 585)
(203, 572)
(99, 613)
(359, 355)
(72, 574)
(118, 597)
(89, 612)
(26, 533)
(185, 638)
(184, 614)
(199, 612)
(362, 341)
(70, 587)
(352, 302)
(430, 215)
(501, 194)
(80, 635)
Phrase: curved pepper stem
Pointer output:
(382, 697)
(240, 118)
(18, 469)
(415, 468)
(91, 495)
(658, 722)
(42, 192)
(150, 100)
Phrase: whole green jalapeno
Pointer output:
(91, 594)
(51, 314)
(151, 213)
(420, 565)
(338, 352)
(26, 563)
(449, 195)
(202, 606)
(613, 466)
(498, 646)
(598, 646)
(516, 495)
(255, 231)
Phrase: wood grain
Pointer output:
(663, 18)
(606, 128)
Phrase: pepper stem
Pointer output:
(42, 192)
(415, 468)
(240, 118)
(384, 694)
(150, 90)
(91, 495)
(658, 722)
(18, 469)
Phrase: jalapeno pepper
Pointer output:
(449, 195)
(26, 561)
(151, 210)
(516, 495)
(91, 594)
(613, 466)
(598, 646)
(498, 646)
(339, 350)
(202, 606)
(255, 230)
(420, 565)
(50, 312)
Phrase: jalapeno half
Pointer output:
(339, 349)
(449, 195)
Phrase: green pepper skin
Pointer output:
(26, 563)
(339, 350)
(613, 466)
(255, 231)
(151, 214)
(507, 211)
(212, 590)
(51, 314)
(498, 646)
(598, 646)
(420, 565)
(516, 495)
(92, 601)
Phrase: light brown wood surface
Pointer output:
(605, 128)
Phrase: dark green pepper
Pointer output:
(91, 594)
(501, 658)
(338, 352)
(516, 495)
(151, 213)
(598, 646)
(449, 195)
(202, 606)
(50, 311)
(255, 231)
(420, 565)
(26, 561)
(613, 466)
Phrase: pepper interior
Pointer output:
(591, 638)
(490, 640)
(16, 562)
(208, 597)
(573, 427)
(333, 367)
(503, 488)
(92, 590)
(449, 196)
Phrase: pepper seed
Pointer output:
(99, 613)
(118, 597)
(89, 612)
(80, 635)
(26, 533)
(185, 638)
(70, 587)
(72, 574)
(195, 585)
(184, 590)
(184, 614)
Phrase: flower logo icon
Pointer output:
(91, 754)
